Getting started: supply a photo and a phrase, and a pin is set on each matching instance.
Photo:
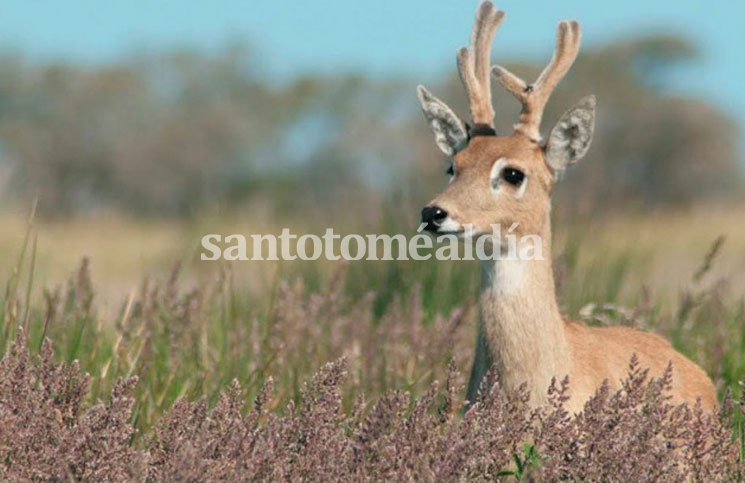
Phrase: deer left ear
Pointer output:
(570, 138)
(450, 132)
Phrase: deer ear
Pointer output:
(570, 138)
(450, 132)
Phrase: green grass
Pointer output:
(191, 333)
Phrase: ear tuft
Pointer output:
(571, 137)
(450, 132)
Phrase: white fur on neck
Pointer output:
(505, 277)
(522, 325)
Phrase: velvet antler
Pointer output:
(535, 96)
(474, 62)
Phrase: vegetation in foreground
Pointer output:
(631, 435)
(162, 392)
(147, 391)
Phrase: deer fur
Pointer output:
(522, 333)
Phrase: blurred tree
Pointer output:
(175, 133)
(650, 149)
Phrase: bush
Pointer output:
(634, 434)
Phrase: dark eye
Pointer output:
(513, 176)
(450, 171)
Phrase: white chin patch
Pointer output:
(449, 226)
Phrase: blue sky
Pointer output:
(414, 38)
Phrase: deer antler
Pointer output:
(535, 96)
(473, 63)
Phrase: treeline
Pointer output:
(181, 132)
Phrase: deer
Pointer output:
(506, 180)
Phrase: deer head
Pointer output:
(504, 179)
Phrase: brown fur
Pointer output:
(600, 353)
(522, 333)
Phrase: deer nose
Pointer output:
(433, 216)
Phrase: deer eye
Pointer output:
(513, 176)
(450, 171)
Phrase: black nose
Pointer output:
(433, 216)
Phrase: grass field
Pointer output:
(188, 332)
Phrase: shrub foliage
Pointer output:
(162, 394)
(635, 434)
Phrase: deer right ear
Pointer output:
(570, 138)
(450, 132)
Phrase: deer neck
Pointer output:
(521, 324)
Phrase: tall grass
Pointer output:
(400, 326)
(399, 321)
